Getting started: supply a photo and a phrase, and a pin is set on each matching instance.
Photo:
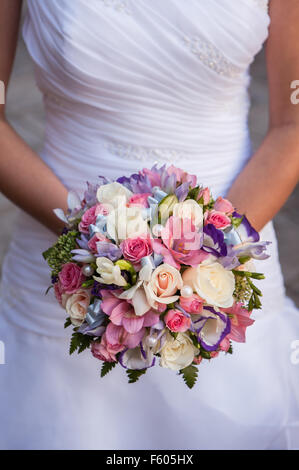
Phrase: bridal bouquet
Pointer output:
(152, 270)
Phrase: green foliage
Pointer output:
(107, 367)
(193, 194)
(189, 374)
(88, 283)
(60, 252)
(236, 221)
(244, 282)
(79, 342)
(67, 322)
(134, 375)
(49, 288)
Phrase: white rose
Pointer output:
(212, 282)
(110, 273)
(189, 209)
(114, 194)
(126, 222)
(176, 354)
(76, 306)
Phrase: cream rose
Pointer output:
(113, 194)
(164, 283)
(190, 210)
(126, 222)
(212, 282)
(76, 306)
(176, 354)
(109, 272)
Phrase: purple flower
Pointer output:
(108, 250)
(213, 241)
(211, 327)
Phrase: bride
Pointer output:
(127, 83)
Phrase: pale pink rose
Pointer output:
(197, 360)
(90, 216)
(164, 283)
(106, 351)
(205, 194)
(139, 200)
(218, 219)
(193, 304)
(223, 205)
(98, 237)
(76, 306)
(225, 344)
(71, 277)
(136, 248)
(176, 321)
(60, 295)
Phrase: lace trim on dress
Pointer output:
(210, 56)
(138, 152)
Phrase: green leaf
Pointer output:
(189, 374)
(79, 342)
(88, 283)
(134, 375)
(47, 253)
(193, 194)
(236, 222)
(67, 322)
(107, 367)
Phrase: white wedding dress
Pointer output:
(127, 83)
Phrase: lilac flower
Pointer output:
(83, 256)
(108, 250)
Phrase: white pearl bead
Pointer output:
(87, 270)
(186, 291)
(157, 229)
(151, 341)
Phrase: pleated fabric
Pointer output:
(126, 84)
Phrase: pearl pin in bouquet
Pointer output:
(151, 270)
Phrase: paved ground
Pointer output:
(26, 114)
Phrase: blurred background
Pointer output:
(25, 113)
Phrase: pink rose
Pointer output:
(139, 200)
(71, 277)
(205, 194)
(90, 216)
(176, 321)
(197, 360)
(98, 237)
(193, 304)
(60, 295)
(136, 248)
(218, 219)
(223, 205)
(214, 354)
(106, 351)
